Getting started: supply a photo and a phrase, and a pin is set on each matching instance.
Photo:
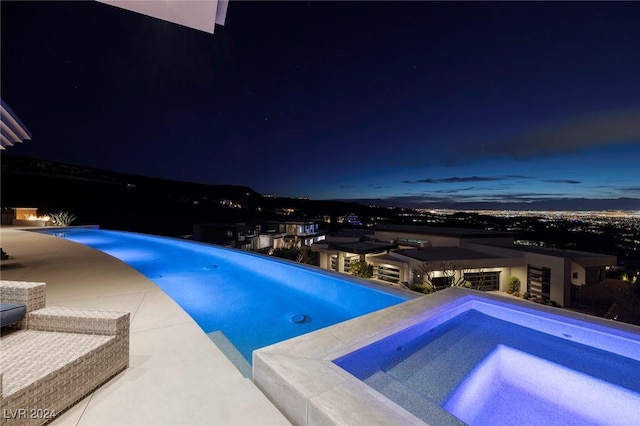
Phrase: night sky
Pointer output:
(421, 104)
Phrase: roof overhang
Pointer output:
(201, 15)
(363, 247)
(11, 128)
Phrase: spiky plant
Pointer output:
(62, 218)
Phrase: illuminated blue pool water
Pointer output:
(490, 363)
(254, 300)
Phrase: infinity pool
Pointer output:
(253, 300)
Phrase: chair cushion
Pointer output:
(11, 313)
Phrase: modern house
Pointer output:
(406, 255)
(236, 235)
(259, 236)
(278, 234)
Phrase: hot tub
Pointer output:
(457, 357)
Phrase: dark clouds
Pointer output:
(566, 137)
(569, 181)
(457, 179)
(467, 179)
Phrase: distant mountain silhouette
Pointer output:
(144, 204)
(119, 201)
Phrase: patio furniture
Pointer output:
(55, 356)
(11, 313)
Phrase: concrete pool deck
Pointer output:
(177, 375)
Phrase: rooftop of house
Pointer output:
(363, 247)
(352, 233)
(441, 254)
(567, 254)
(449, 232)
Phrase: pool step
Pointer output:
(411, 400)
(231, 352)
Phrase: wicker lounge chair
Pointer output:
(11, 313)
(55, 356)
